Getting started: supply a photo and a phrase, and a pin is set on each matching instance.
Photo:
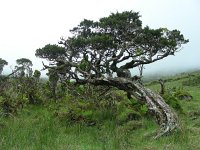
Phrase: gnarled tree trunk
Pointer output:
(165, 116)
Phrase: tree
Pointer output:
(36, 75)
(53, 80)
(162, 86)
(24, 64)
(2, 64)
(103, 52)
(26, 82)
(51, 52)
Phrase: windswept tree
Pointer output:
(24, 67)
(103, 52)
(53, 53)
(2, 64)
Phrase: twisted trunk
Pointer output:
(166, 118)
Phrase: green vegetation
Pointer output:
(96, 126)
(102, 52)
(90, 99)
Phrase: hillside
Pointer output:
(45, 126)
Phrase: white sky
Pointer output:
(26, 25)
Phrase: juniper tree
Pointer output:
(103, 52)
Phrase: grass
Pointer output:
(36, 128)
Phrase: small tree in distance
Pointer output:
(103, 52)
(2, 64)
(24, 64)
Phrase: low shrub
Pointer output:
(192, 81)
(174, 95)
(115, 106)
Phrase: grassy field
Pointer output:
(36, 127)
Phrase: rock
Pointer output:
(186, 97)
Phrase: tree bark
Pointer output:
(162, 86)
(165, 116)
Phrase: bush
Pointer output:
(192, 81)
(10, 106)
(182, 94)
(142, 109)
(76, 111)
(174, 95)
(172, 101)
(114, 106)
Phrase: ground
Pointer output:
(36, 127)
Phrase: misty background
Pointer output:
(28, 25)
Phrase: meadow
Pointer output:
(45, 126)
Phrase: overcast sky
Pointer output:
(26, 25)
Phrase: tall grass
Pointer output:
(36, 128)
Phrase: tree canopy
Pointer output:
(24, 64)
(50, 52)
(114, 44)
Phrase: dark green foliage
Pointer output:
(27, 87)
(76, 111)
(19, 90)
(24, 62)
(172, 101)
(128, 110)
(53, 81)
(24, 67)
(182, 94)
(85, 64)
(50, 52)
(113, 44)
(85, 104)
(37, 74)
(10, 100)
(174, 95)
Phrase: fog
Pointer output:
(28, 25)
